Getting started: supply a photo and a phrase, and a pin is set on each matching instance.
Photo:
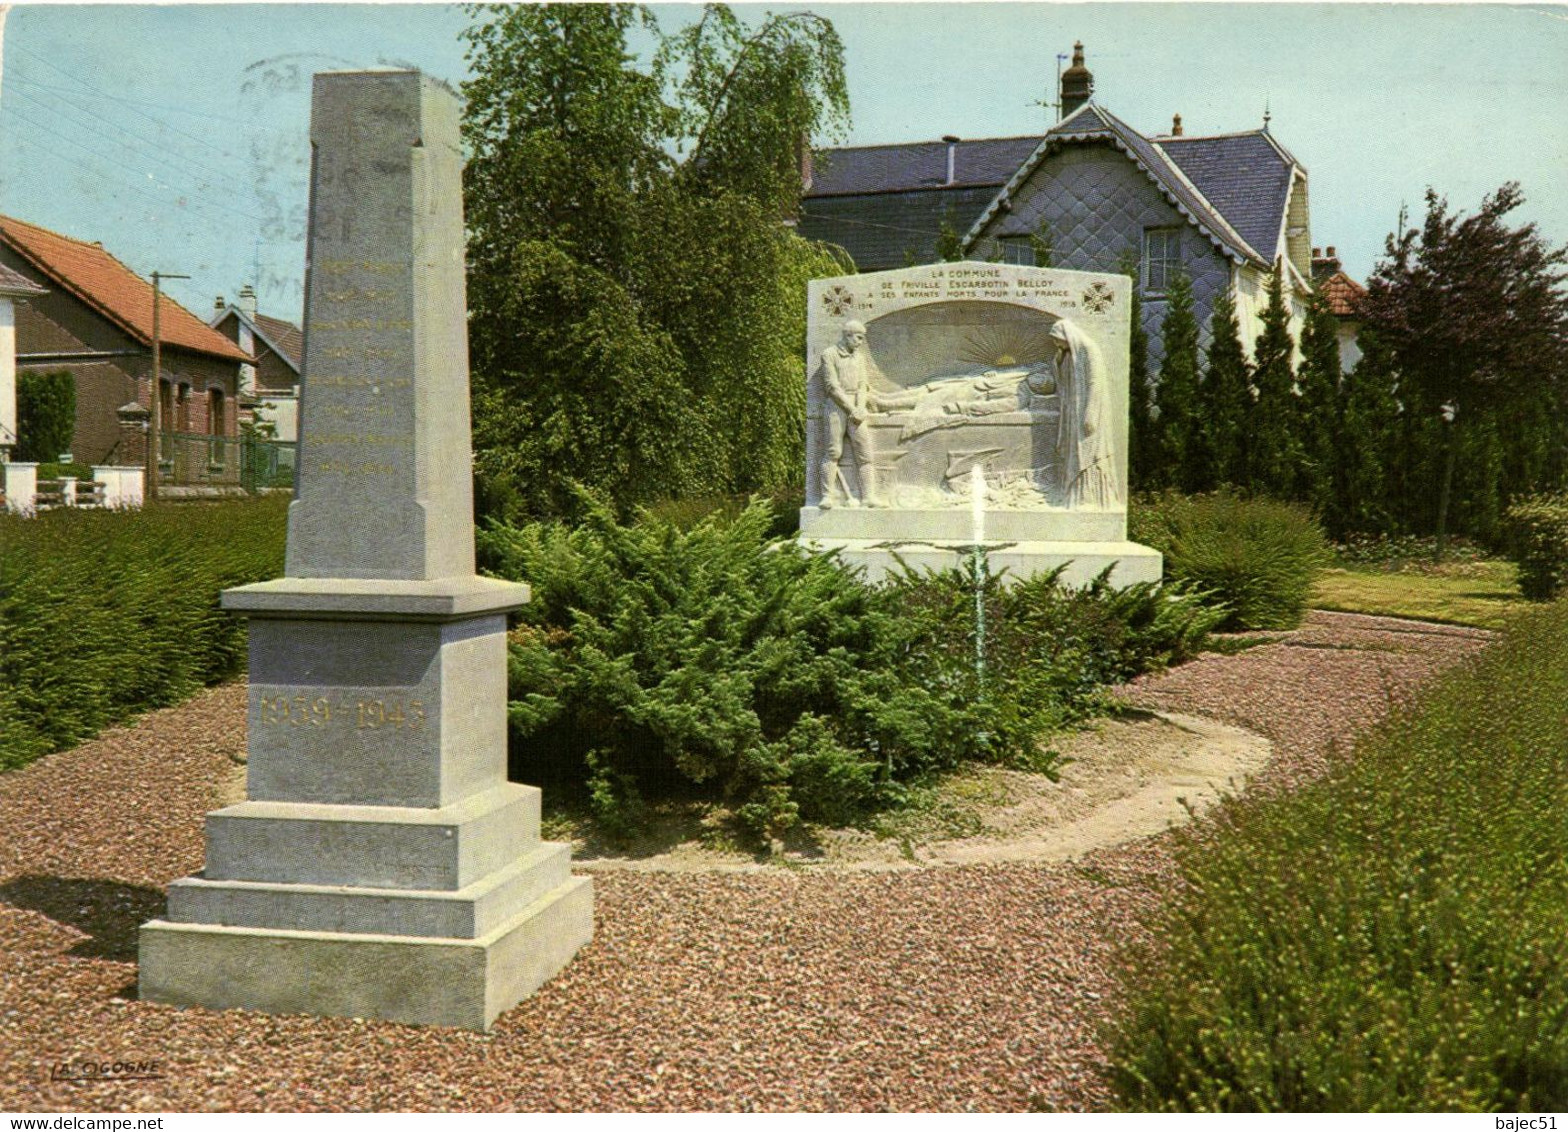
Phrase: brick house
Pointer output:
(96, 322)
(1342, 293)
(1223, 209)
(271, 385)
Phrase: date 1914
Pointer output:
(363, 715)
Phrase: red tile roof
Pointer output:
(113, 290)
(285, 336)
(1342, 293)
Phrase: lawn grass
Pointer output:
(1482, 593)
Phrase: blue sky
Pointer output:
(177, 135)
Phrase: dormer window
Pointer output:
(1161, 258)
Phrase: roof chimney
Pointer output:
(1175, 125)
(952, 156)
(219, 306)
(1331, 254)
(247, 301)
(1077, 83)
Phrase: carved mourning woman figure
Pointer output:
(1085, 439)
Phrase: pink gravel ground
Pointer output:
(972, 988)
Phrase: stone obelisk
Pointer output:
(381, 866)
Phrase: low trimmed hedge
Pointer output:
(104, 614)
(1258, 556)
(1538, 542)
(1393, 937)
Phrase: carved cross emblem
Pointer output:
(838, 299)
(1098, 298)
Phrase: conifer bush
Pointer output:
(1538, 540)
(711, 662)
(1259, 557)
(1393, 937)
(104, 614)
(45, 415)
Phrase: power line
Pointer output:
(61, 92)
(137, 102)
(199, 173)
(188, 202)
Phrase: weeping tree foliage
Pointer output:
(1474, 314)
(637, 317)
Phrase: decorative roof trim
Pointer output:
(1282, 241)
(1109, 131)
(14, 285)
(1285, 154)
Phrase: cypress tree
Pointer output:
(45, 415)
(1140, 441)
(1179, 432)
(1321, 411)
(1365, 446)
(1228, 395)
(1272, 435)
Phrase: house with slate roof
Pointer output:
(1223, 208)
(270, 386)
(96, 322)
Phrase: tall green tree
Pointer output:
(45, 415)
(1321, 410)
(1181, 449)
(1227, 386)
(1475, 315)
(637, 322)
(1366, 474)
(1273, 444)
(1140, 424)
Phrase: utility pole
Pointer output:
(154, 423)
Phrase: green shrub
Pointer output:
(1538, 541)
(656, 661)
(1257, 556)
(45, 415)
(106, 614)
(1393, 937)
(53, 470)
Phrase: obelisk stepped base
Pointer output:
(426, 980)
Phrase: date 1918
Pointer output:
(364, 715)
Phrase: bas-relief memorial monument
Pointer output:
(381, 865)
(959, 404)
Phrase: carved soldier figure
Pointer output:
(846, 378)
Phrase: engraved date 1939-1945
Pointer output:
(322, 711)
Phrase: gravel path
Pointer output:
(944, 989)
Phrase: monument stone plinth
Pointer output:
(381, 865)
(969, 404)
